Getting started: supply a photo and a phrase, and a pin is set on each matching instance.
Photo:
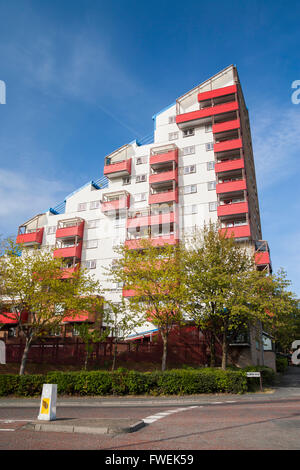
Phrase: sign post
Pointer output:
(256, 374)
(48, 403)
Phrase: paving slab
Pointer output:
(87, 426)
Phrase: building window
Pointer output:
(188, 132)
(140, 197)
(209, 146)
(208, 127)
(141, 178)
(82, 206)
(141, 160)
(213, 206)
(93, 223)
(189, 169)
(188, 210)
(91, 244)
(192, 188)
(126, 180)
(90, 264)
(173, 135)
(94, 204)
(172, 119)
(210, 165)
(211, 185)
(188, 150)
(51, 230)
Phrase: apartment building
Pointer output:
(199, 167)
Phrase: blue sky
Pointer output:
(84, 77)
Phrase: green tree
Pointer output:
(90, 337)
(32, 282)
(154, 275)
(224, 291)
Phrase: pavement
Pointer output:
(287, 389)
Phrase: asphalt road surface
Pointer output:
(269, 421)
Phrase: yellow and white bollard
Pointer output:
(48, 403)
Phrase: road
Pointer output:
(269, 421)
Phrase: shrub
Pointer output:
(267, 374)
(281, 364)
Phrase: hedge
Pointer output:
(122, 382)
(281, 364)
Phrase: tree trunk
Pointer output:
(165, 351)
(114, 356)
(25, 356)
(224, 350)
(212, 351)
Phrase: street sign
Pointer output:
(253, 374)
(48, 403)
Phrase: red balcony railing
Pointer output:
(229, 165)
(228, 145)
(72, 231)
(226, 126)
(116, 204)
(148, 220)
(238, 231)
(118, 169)
(31, 238)
(167, 196)
(171, 156)
(231, 186)
(231, 209)
(129, 292)
(262, 257)
(164, 176)
(207, 95)
(68, 252)
(207, 112)
(68, 272)
(137, 243)
(9, 318)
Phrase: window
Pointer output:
(172, 119)
(188, 210)
(188, 150)
(188, 132)
(209, 146)
(189, 169)
(210, 165)
(141, 160)
(140, 197)
(208, 127)
(126, 180)
(93, 223)
(190, 189)
(91, 244)
(51, 230)
(213, 206)
(90, 264)
(211, 185)
(94, 204)
(173, 135)
(141, 178)
(82, 206)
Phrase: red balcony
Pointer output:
(207, 112)
(170, 156)
(239, 231)
(31, 238)
(171, 175)
(148, 220)
(207, 95)
(229, 165)
(228, 145)
(262, 257)
(226, 126)
(129, 292)
(167, 196)
(71, 231)
(162, 240)
(116, 204)
(9, 318)
(67, 273)
(79, 318)
(231, 209)
(231, 186)
(118, 169)
(68, 252)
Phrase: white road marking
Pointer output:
(7, 429)
(163, 414)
